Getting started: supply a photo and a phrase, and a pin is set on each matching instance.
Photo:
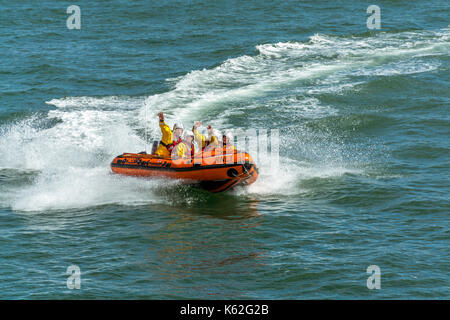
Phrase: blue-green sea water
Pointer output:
(363, 119)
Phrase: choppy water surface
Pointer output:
(364, 155)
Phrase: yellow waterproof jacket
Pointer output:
(167, 138)
(202, 141)
(183, 151)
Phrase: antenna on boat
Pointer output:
(145, 129)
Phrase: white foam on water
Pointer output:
(272, 180)
(285, 179)
(71, 159)
(76, 140)
(190, 102)
(114, 102)
(283, 66)
(398, 68)
(74, 187)
(302, 107)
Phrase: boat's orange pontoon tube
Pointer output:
(215, 171)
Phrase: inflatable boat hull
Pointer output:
(213, 171)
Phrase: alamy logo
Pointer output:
(374, 281)
(263, 146)
(74, 280)
(374, 20)
(74, 21)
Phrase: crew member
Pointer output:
(169, 139)
(187, 148)
(227, 142)
(201, 140)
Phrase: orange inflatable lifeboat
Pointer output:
(217, 170)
